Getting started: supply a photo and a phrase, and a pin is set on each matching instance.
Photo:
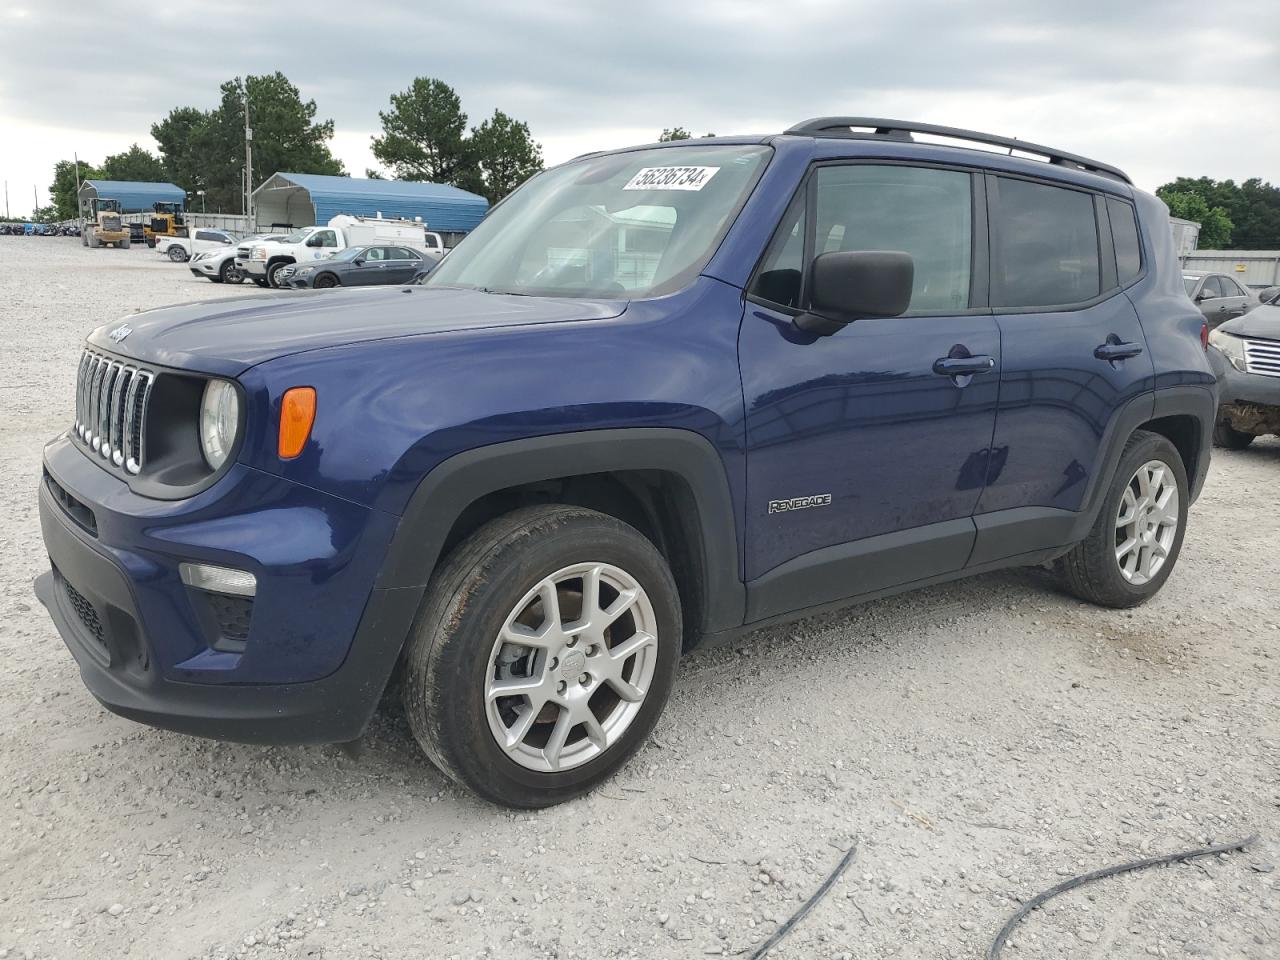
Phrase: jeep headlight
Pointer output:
(1231, 347)
(219, 421)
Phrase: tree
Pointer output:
(677, 133)
(204, 150)
(64, 192)
(504, 155)
(134, 164)
(1253, 208)
(1215, 225)
(424, 133)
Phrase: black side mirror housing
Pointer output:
(849, 285)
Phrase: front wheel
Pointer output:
(325, 281)
(1227, 436)
(227, 273)
(1137, 536)
(273, 274)
(542, 657)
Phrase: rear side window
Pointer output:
(1124, 234)
(1046, 246)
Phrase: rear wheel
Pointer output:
(1225, 435)
(544, 652)
(177, 254)
(1136, 539)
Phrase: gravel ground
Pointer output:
(978, 742)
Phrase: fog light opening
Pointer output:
(204, 576)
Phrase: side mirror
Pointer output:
(845, 286)
(358, 261)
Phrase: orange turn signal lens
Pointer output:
(297, 413)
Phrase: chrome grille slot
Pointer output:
(1262, 357)
(111, 409)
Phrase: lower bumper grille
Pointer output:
(85, 611)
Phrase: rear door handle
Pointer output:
(963, 366)
(1115, 349)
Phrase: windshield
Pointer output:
(348, 254)
(1190, 284)
(299, 236)
(633, 224)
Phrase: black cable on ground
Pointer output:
(809, 904)
(1040, 898)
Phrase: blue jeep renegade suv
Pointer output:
(659, 397)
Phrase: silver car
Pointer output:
(1219, 297)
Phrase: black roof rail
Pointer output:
(881, 129)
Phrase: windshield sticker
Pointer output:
(672, 178)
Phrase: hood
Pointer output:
(228, 336)
(1262, 321)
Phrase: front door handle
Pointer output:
(1116, 349)
(963, 366)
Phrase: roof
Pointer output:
(440, 206)
(137, 195)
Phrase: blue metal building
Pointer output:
(135, 196)
(302, 199)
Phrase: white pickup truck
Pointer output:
(182, 249)
(267, 259)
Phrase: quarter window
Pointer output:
(1045, 246)
(1124, 235)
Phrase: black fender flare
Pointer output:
(1198, 402)
(464, 478)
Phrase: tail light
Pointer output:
(1204, 335)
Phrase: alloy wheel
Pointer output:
(571, 667)
(1147, 522)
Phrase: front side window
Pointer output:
(1212, 289)
(634, 224)
(924, 212)
(1124, 235)
(1045, 250)
(375, 255)
(325, 238)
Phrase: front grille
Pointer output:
(85, 611)
(1262, 357)
(111, 409)
(243, 253)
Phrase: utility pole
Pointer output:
(6, 199)
(79, 212)
(248, 161)
(35, 199)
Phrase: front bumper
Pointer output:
(320, 642)
(252, 268)
(1235, 387)
(205, 268)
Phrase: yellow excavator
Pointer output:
(166, 221)
(103, 224)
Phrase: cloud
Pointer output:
(1158, 87)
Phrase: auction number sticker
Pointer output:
(672, 178)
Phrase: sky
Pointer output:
(1159, 88)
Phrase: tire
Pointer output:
(151, 242)
(126, 244)
(273, 273)
(227, 273)
(454, 653)
(260, 281)
(1092, 570)
(1227, 436)
(177, 254)
(325, 281)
